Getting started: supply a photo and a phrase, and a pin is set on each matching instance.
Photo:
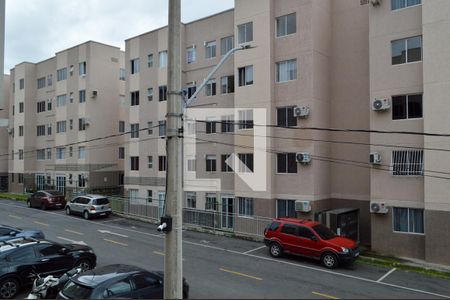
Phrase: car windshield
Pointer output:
(76, 291)
(54, 193)
(324, 232)
(101, 201)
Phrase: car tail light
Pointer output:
(92, 208)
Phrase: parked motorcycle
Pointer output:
(49, 287)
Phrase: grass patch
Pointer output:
(391, 262)
(18, 197)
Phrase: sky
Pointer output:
(37, 29)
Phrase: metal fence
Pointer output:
(216, 221)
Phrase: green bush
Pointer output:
(18, 197)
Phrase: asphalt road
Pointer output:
(218, 267)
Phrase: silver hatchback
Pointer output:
(89, 206)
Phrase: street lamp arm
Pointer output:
(216, 68)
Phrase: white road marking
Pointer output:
(72, 241)
(386, 275)
(112, 233)
(250, 255)
(253, 250)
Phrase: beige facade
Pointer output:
(4, 121)
(55, 106)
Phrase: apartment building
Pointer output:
(409, 71)
(4, 121)
(56, 108)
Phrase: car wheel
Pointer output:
(9, 288)
(86, 215)
(275, 250)
(330, 260)
(84, 265)
(68, 211)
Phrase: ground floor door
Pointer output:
(227, 212)
(61, 184)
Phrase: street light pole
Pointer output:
(173, 262)
(2, 53)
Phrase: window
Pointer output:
(135, 98)
(150, 162)
(49, 104)
(71, 70)
(245, 207)
(49, 129)
(60, 126)
(211, 163)
(286, 25)
(191, 55)
(81, 180)
(408, 220)
(150, 128)
(60, 153)
(134, 195)
(122, 74)
(289, 229)
(82, 69)
(286, 163)
(61, 74)
(149, 199)
(191, 165)
(407, 163)
(150, 60)
(25, 254)
(70, 151)
(71, 124)
(287, 70)
(246, 163)
(162, 128)
(285, 117)
(134, 131)
(81, 152)
(61, 100)
(245, 119)
(407, 107)
(49, 153)
(226, 168)
(191, 199)
(21, 154)
(41, 83)
(41, 106)
(40, 154)
(210, 89)
(21, 130)
(82, 123)
(163, 59)
(245, 76)
(50, 80)
(121, 126)
(210, 49)
(21, 107)
(134, 163)
(227, 124)
(135, 66)
(227, 84)
(226, 44)
(399, 4)
(40, 130)
(211, 202)
(82, 96)
(121, 153)
(211, 127)
(245, 33)
(191, 89)
(162, 163)
(163, 93)
(407, 50)
(21, 84)
(71, 98)
(150, 94)
(21, 177)
(286, 209)
(120, 288)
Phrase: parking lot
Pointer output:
(222, 267)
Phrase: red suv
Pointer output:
(310, 239)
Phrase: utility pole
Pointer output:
(2, 53)
(173, 261)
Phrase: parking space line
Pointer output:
(115, 242)
(159, 253)
(253, 250)
(240, 274)
(15, 217)
(324, 295)
(74, 232)
(40, 223)
(386, 275)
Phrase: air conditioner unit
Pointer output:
(301, 112)
(9, 130)
(303, 206)
(87, 122)
(94, 94)
(375, 2)
(375, 158)
(378, 208)
(381, 104)
(303, 158)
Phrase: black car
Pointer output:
(20, 258)
(9, 233)
(117, 281)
